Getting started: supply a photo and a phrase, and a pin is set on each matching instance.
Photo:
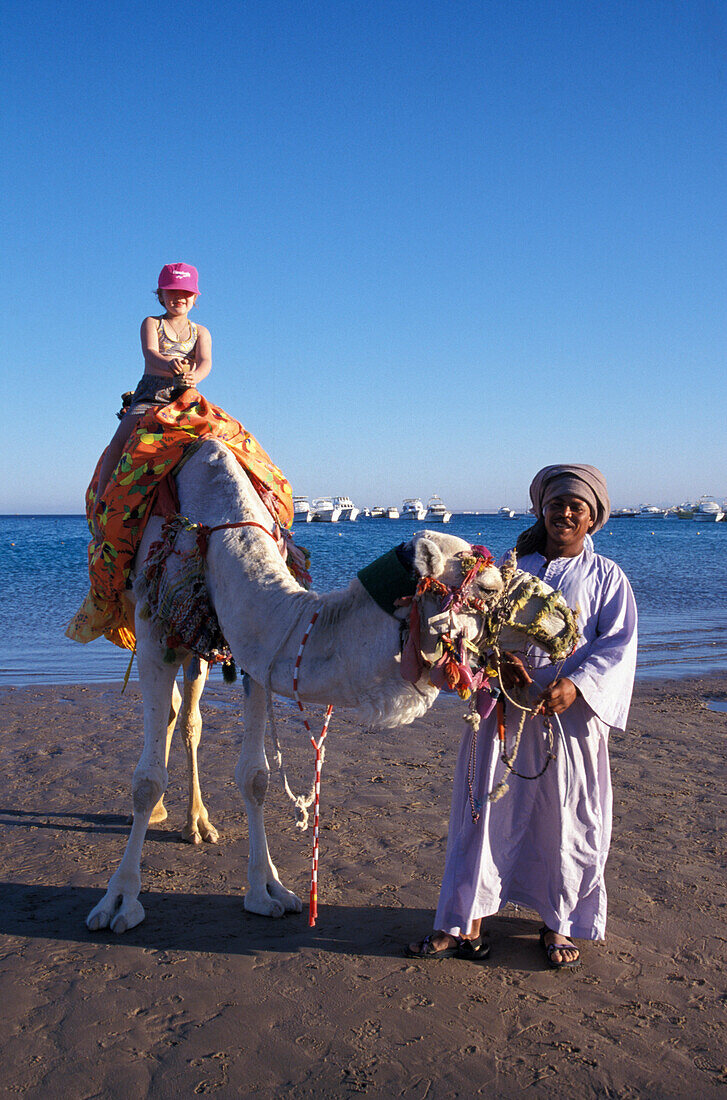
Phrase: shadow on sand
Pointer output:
(217, 923)
(112, 824)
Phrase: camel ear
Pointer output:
(429, 561)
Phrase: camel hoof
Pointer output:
(97, 919)
(291, 902)
(263, 905)
(128, 918)
(119, 914)
(200, 831)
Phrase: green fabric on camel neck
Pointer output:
(386, 580)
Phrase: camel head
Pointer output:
(466, 611)
(444, 556)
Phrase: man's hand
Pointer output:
(514, 673)
(557, 697)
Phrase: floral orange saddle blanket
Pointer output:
(154, 449)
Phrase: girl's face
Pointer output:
(178, 302)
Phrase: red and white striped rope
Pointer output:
(317, 745)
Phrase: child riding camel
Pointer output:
(129, 482)
(177, 356)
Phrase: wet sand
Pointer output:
(205, 998)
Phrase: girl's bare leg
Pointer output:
(114, 451)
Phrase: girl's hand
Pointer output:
(179, 366)
(557, 697)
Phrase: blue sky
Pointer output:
(440, 244)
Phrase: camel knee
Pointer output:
(148, 787)
(192, 732)
(253, 783)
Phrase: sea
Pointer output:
(677, 567)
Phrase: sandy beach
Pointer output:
(205, 998)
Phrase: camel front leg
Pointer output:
(266, 894)
(120, 907)
(199, 827)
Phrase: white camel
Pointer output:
(351, 660)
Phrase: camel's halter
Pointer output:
(204, 532)
(509, 758)
(294, 557)
(500, 695)
(457, 664)
(506, 613)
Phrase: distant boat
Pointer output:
(436, 511)
(649, 511)
(377, 512)
(685, 510)
(324, 511)
(412, 508)
(392, 512)
(624, 513)
(708, 511)
(505, 512)
(349, 511)
(301, 510)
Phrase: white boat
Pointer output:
(301, 510)
(377, 512)
(436, 511)
(708, 511)
(685, 510)
(624, 513)
(392, 512)
(412, 508)
(324, 511)
(349, 511)
(648, 511)
(505, 512)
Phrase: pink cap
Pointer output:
(178, 277)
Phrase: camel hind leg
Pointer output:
(159, 813)
(199, 828)
(266, 894)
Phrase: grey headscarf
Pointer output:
(585, 482)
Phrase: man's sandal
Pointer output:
(549, 948)
(473, 950)
(427, 950)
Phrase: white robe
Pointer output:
(544, 843)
